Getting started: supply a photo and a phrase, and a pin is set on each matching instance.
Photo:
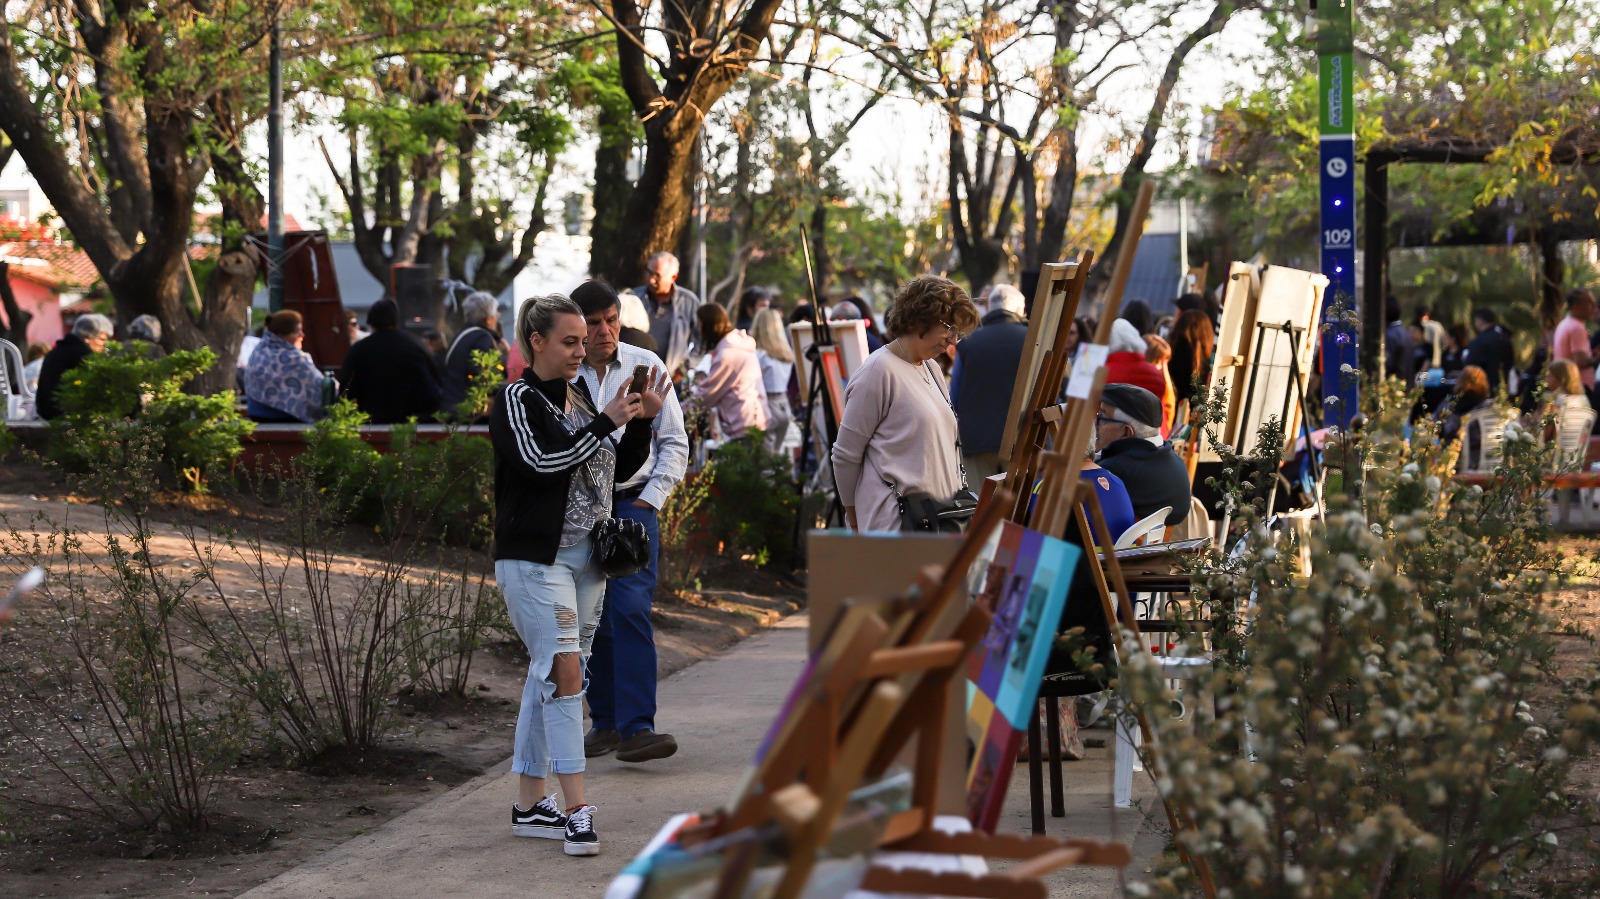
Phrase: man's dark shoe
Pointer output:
(646, 745)
(598, 742)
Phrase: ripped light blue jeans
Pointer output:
(555, 609)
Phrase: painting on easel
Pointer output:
(1025, 588)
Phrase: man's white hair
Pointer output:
(657, 257)
(1140, 429)
(92, 325)
(478, 308)
(1008, 298)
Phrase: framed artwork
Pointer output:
(849, 336)
(1025, 589)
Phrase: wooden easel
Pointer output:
(885, 673)
(1054, 306)
(1062, 494)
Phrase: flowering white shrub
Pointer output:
(1391, 724)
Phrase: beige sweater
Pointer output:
(897, 427)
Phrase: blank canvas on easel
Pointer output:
(1287, 296)
(1278, 296)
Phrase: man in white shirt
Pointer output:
(622, 660)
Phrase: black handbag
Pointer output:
(921, 512)
(622, 546)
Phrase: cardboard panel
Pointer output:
(849, 336)
(844, 564)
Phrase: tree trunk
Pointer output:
(228, 293)
(611, 194)
(658, 210)
(1553, 274)
(819, 247)
(16, 329)
(1063, 188)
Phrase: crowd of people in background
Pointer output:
(581, 437)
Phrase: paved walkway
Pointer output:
(461, 844)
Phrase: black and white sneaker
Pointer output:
(544, 820)
(581, 838)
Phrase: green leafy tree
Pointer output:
(444, 91)
(1512, 85)
(121, 113)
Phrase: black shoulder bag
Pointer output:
(621, 545)
(922, 512)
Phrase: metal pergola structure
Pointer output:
(1581, 149)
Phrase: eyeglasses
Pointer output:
(1100, 419)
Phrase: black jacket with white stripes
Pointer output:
(534, 458)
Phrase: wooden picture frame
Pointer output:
(849, 336)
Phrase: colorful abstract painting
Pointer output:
(1025, 588)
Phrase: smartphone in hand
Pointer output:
(641, 379)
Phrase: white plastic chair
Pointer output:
(18, 400)
(1148, 529)
(1574, 425)
(1490, 428)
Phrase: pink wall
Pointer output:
(46, 308)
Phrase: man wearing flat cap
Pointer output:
(1128, 431)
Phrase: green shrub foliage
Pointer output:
(753, 501)
(443, 486)
(113, 394)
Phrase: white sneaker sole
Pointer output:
(582, 848)
(540, 831)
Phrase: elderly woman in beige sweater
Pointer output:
(899, 435)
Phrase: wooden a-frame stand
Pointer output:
(1048, 452)
(882, 678)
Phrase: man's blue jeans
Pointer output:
(622, 663)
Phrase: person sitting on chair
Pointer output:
(389, 374)
(281, 383)
(1128, 430)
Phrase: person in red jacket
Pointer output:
(1126, 364)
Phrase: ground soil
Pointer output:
(272, 815)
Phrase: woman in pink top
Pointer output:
(899, 433)
(733, 385)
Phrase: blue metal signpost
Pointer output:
(1335, 53)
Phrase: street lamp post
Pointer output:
(275, 171)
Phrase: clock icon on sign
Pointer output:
(1337, 168)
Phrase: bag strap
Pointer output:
(939, 382)
(450, 353)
